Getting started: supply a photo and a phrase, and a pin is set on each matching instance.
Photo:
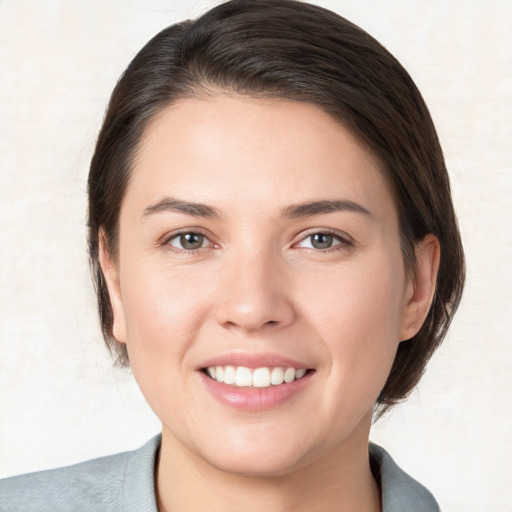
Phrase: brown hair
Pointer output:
(289, 49)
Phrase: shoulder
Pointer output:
(118, 482)
(399, 491)
(75, 487)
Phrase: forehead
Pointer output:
(231, 151)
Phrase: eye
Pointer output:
(190, 241)
(322, 241)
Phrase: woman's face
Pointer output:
(258, 242)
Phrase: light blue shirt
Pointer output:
(125, 483)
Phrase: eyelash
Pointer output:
(343, 241)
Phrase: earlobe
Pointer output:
(111, 276)
(421, 288)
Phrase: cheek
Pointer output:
(357, 314)
(163, 311)
(357, 298)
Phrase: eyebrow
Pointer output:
(309, 209)
(320, 207)
(170, 204)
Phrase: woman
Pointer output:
(276, 256)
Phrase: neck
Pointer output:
(343, 482)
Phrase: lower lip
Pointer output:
(255, 399)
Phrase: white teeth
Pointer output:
(289, 375)
(263, 377)
(243, 377)
(229, 375)
(300, 373)
(277, 376)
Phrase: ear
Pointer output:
(420, 287)
(111, 275)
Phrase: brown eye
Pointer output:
(188, 241)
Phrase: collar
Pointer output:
(399, 491)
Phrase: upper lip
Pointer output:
(254, 361)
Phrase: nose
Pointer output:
(254, 294)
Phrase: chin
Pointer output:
(261, 452)
(255, 465)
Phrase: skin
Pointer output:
(258, 285)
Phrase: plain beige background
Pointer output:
(61, 401)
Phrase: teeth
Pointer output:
(229, 375)
(277, 376)
(300, 373)
(243, 377)
(261, 378)
(240, 376)
(289, 375)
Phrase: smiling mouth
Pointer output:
(264, 377)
